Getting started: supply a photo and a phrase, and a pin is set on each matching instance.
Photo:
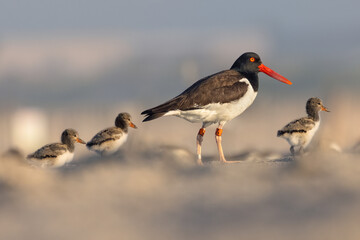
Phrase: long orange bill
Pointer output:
(132, 125)
(324, 109)
(80, 141)
(273, 74)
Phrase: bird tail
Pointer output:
(159, 111)
(151, 116)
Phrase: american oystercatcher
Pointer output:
(109, 140)
(299, 132)
(217, 98)
(56, 154)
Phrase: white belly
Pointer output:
(302, 139)
(218, 112)
(110, 147)
(294, 139)
(59, 161)
(64, 158)
(310, 134)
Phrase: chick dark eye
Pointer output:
(252, 59)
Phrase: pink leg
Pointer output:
(199, 140)
(218, 143)
(218, 134)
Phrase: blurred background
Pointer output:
(77, 64)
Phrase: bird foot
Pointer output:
(227, 162)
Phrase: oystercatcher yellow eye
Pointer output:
(252, 59)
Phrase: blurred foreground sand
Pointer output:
(161, 194)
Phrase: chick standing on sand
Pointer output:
(299, 132)
(56, 154)
(109, 140)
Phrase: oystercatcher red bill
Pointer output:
(273, 74)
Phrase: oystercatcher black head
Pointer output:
(247, 62)
(250, 62)
(217, 98)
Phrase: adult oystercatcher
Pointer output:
(299, 132)
(217, 98)
(56, 154)
(109, 140)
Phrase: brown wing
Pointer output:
(49, 151)
(221, 87)
(298, 125)
(112, 133)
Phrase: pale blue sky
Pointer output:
(312, 42)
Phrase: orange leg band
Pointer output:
(201, 132)
(218, 132)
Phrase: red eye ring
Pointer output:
(252, 59)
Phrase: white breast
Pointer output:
(218, 112)
(310, 134)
